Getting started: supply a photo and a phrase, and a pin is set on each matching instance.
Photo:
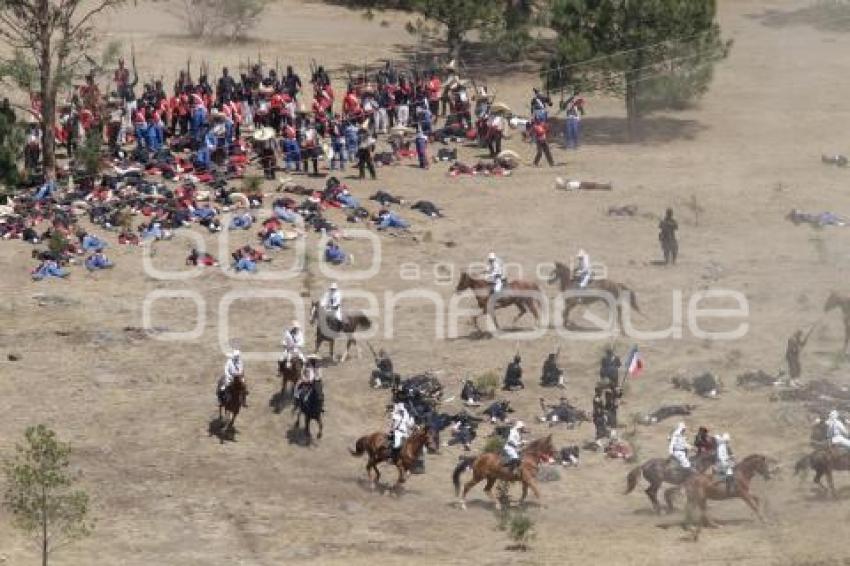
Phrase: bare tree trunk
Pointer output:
(454, 38)
(48, 94)
(632, 102)
(44, 548)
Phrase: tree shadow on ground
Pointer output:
(609, 130)
(823, 16)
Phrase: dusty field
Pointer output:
(138, 411)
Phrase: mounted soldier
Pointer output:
(332, 301)
(400, 425)
(678, 447)
(293, 344)
(836, 431)
(513, 445)
(495, 274)
(233, 368)
(725, 464)
(583, 271)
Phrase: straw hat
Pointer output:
(500, 108)
(509, 156)
(264, 134)
(401, 131)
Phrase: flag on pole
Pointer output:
(634, 362)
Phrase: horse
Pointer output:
(376, 447)
(488, 466)
(311, 404)
(702, 487)
(525, 295)
(289, 374)
(230, 401)
(604, 288)
(657, 471)
(837, 301)
(328, 327)
(824, 461)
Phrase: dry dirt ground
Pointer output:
(138, 410)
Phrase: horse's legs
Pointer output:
(830, 483)
(307, 429)
(565, 316)
(652, 494)
(668, 498)
(817, 478)
(524, 492)
(522, 312)
(321, 427)
(473, 481)
(753, 502)
(231, 426)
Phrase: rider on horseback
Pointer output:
(582, 269)
(332, 301)
(679, 447)
(309, 376)
(512, 447)
(836, 431)
(293, 344)
(233, 368)
(495, 274)
(725, 465)
(401, 424)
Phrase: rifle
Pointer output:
(371, 349)
(809, 333)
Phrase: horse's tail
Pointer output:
(632, 479)
(359, 447)
(463, 465)
(633, 300)
(802, 466)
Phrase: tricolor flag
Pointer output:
(634, 362)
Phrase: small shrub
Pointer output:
(521, 530)
(487, 383)
(494, 445)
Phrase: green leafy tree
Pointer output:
(455, 17)
(11, 147)
(620, 46)
(50, 43)
(40, 495)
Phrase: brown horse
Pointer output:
(658, 471)
(328, 327)
(837, 301)
(702, 487)
(230, 401)
(488, 466)
(292, 373)
(600, 290)
(525, 295)
(376, 446)
(824, 461)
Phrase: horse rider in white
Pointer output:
(309, 375)
(725, 465)
(401, 424)
(293, 343)
(495, 274)
(332, 301)
(513, 445)
(679, 446)
(836, 431)
(232, 368)
(582, 270)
